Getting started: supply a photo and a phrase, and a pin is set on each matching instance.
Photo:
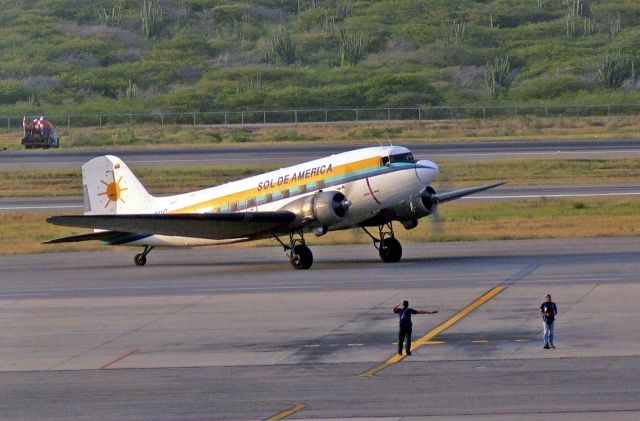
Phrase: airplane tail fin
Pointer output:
(109, 187)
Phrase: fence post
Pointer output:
(68, 122)
(8, 123)
(419, 113)
(100, 118)
(295, 115)
(194, 118)
(356, 114)
(389, 114)
(225, 117)
(242, 117)
(264, 117)
(326, 116)
(162, 119)
(484, 112)
(451, 110)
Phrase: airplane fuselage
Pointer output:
(372, 179)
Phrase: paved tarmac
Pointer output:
(292, 154)
(235, 333)
(505, 192)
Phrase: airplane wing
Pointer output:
(457, 194)
(101, 236)
(214, 226)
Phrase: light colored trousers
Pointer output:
(548, 332)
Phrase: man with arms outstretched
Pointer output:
(405, 324)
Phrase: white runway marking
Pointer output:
(539, 196)
(41, 207)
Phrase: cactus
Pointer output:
(589, 27)
(570, 25)
(110, 18)
(152, 15)
(132, 91)
(497, 76)
(614, 27)
(283, 46)
(614, 68)
(353, 47)
(255, 83)
(452, 32)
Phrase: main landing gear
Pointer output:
(299, 254)
(141, 259)
(389, 248)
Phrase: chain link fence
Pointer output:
(329, 115)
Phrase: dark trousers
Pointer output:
(405, 332)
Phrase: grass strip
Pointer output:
(367, 133)
(23, 232)
(171, 180)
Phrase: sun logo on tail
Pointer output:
(113, 190)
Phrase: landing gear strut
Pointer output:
(389, 248)
(141, 259)
(299, 254)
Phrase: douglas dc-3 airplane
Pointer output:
(370, 187)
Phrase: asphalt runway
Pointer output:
(234, 333)
(505, 192)
(292, 154)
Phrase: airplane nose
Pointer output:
(427, 171)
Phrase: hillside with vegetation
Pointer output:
(111, 56)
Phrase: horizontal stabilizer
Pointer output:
(214, 226)
(457, 194)
(100, 236)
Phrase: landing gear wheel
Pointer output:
(301, 258)
(390, 250)
(140, 259)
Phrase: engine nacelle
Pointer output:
(415, 207)
(320, 210)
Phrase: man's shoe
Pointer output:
(553, 346)
(546, 347)
(408, 352)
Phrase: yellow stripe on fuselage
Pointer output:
(283, 180)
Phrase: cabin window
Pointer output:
(233, 207)
(285, 193)
(319, 184)
(302, 188)
(251, 202)
(402, 157)
(384, 161)
(216, 210)
(268, 198)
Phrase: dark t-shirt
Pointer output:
(550, 310)
(405, 316)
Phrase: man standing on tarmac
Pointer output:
(549, 311)
(405, 324)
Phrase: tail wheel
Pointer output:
(390, 250)
(302, 258)
(140, 259)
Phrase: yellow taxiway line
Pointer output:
(284, 414)
(426, 339)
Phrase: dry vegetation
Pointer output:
(174, 180)
(363, 133)
(460, 221)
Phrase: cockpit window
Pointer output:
(402, 157)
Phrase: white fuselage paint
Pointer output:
(368, 194)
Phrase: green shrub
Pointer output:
(546, 88)
(240, 135)
(12, 91)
